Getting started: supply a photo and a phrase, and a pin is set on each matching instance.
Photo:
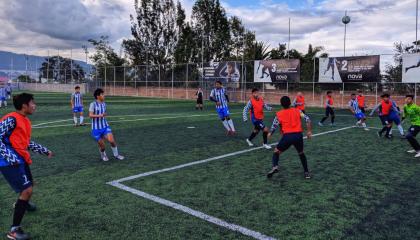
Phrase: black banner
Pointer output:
(226, 72)
(281, 70)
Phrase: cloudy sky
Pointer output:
(34, 26)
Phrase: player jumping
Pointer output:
(100, 127)
(255, 107)
(357, 112)
(299, 102)
(412, 111)
(220, 97)
(389, 113)
(15, 141)
(289, 120)
(329, 110)
(77, 106)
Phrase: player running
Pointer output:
(3, 97)
(361, 99)
(220, 97)
(412, 111)
(357, 112)
(329, 110)
(15, 159)
(388, 113)
(299, 102)
(100, 127)
(255, 107)
(8, 91)
(289, 120)
(77, 106)
(199, 95)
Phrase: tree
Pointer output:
(61, 69)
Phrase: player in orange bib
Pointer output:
(289, 120)
(329, 109)
(299, 102)
(255, 107)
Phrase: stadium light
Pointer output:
(417, 23)
(346, 20)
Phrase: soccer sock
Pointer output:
(81, 119)
(332, 119)
(115, 151)
(383, 130)
(230, 122)
(304, 162)
(253, 134)
(103, 153)
(388, 131)
(265, 137)
(226, 125)
(323, 119)
(276, 158)
(75, 120)
(401, 129)
(20, 209)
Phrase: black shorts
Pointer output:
(329, 111)
(199, 101)
(291, 139)
(413, 131)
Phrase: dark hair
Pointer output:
(385, 95)
(360, 91)
(77, 87)
(219, 82)
(285, 102)
(98, 92)
(20, 99)
(409, 96)
(353, 94)
(329, 92)
(255, 90)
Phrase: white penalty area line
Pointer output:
(190, 211)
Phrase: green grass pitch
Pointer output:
(363, 187)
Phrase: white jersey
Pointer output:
(98, 108)
(219, 95)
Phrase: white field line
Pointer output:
(190, 211)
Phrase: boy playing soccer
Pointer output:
(289, 120)
(357, 112)
(100, 127)
(412, 111)
(3, 97)
(255, 107)
(199, 95)
(388, 113)
(77, 106)
(362, 101)
(220, 97)
(299, 102)
(329, 109)
(8, 91)
(15, 141)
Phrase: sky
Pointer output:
(39, 26)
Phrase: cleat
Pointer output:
(332, 125)
(417, 155)
(105, 158)
(272, 172)
(249, 143)
(18, 234)
(366, 129)
(307, 175)
(119, 157)
(412, 151)
(266, 146)
(320, 124)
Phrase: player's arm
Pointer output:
(227, 97)
(329, 104)
(6, 128)
(212, 98)
(247, 107)
(92, 110)
(374, 109)
(308, 124)
(351, 108)
(72, 101)
(274, 126)
(267, 107)
(38, 148)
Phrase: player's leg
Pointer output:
(265, 137)
(332, 114)
(327, 114)
(388, 133)
(75, 117)
(229, 120)
(110, 138)
(254, 133)
(82, 118)
(396, 119)
(281, 147)
(411, 138)
(101, 146)
(220, 112)
(298, 144)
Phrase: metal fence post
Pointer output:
(186, 84)
(159, 82)
(147, 73)
(124, 72)
(172, 79)
(115, 76)
(313, 92)
(415, 93)
(376, 94)
(342, 96)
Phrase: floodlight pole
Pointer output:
(346, 20)
(417, 23)
(288, 45)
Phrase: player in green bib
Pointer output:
(412, 111)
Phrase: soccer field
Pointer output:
(183, 178)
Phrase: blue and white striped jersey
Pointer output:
(3, 92)
(98, 108)
(77, 99)
(354, 104)
(219, 95)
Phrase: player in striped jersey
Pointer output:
(77, 106)
(357, 112)
(100, 127)
(3, 97)
(389, 114)
(220, 97)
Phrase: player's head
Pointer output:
(360, 92)
(285, 102)
(385, 97)
(353, 96)
(99, 94)
(231, 67)
(409, 99)
(77, 89)
(255, 92)
(299, 94)
(329, 93)
(218, 84)
(25, 103)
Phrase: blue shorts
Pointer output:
(2, 98)
(394, 118)
(259, 124)
(223, 112)
(19, 177)
(78, 109)
(98, 134)
(359, 116)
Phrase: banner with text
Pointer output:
(349, 69)
(224, 71)
(272, 71)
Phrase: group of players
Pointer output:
(15, 133)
